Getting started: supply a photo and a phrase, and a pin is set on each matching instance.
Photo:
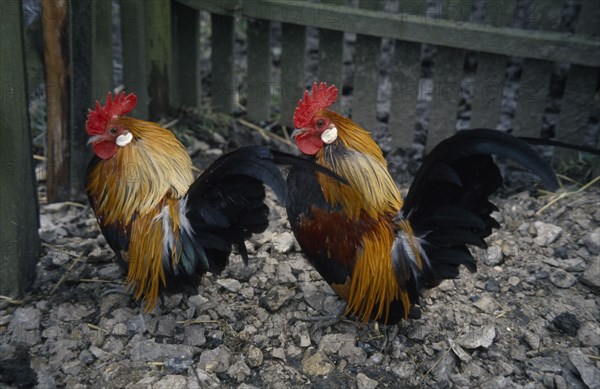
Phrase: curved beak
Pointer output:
(296, 132)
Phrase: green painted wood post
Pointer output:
(258, 85)
(447, 77)
(19, 240)
(222, 86)
(366, 74)
(405, 85)
(331, 50)
(157, 34)
(293, 54)
(134, 54)
(578, 102)
(490, 75)
(91, 79)
(534, 86)
(187, 83)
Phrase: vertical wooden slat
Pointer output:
(366, 74)
(405, 90)
(447, 77)
(222, 86)
(331, 50)
(578, 101)
(56, 59)
(491, 69)
(186, 36)
(293, 47)
(91, 78)
(157, 32)
(536, 74)
(258, 86)
(19, 241)
(134, 54)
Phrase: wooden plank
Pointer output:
(56, 59)
(491, 70)
(293, 48)
(447, 76)
(578, 101)
(405, 90)
(222, 86)
(552, 46)
(366, 74)
(157, 34)
(102, 55)
(331, 53)
(134, 54)
(19, 241)
(186, 30)
(533, 97)
(258, 86)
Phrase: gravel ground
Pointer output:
(528, 318)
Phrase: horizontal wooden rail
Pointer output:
(551, 46)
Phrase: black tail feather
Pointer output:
(563, 145)
(447, 203)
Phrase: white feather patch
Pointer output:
(329, 135)
(184, 222)
(124, 139)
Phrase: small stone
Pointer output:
(562, 279)
(99, 353)
(514, 281)
(546, 233)
(216, 360)
(71, 312)
(364, 382)
(316, 364)
(254, 356)
(178, 365)
(150, 351)
(170, 382)
(442, 370)
(275, 298)
(567, 323)
(573, 265)
(479, 337)
(589, 334)
(278, 353)
(533, 340)
(494, 256)
(485, 304)
(460, 352)
(403, 370)
(591, 275)
(194, 335)
(589, 373)
(86, 357)
(301, 336)
(230, 284)
(284, 243)
(239, 371)
(592, 241)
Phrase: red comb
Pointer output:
(99, 117)
(321, 98)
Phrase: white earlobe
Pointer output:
(124, 139)
(329, 135)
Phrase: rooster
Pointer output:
(167, 228)
(378, 252)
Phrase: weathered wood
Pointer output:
(552, 46)
(578, 101)
(331, 53)
(91, 79)
(405, 84)
(157, 34)
(491, 69)
(56, 58)
(19, 241)
(447, 76)
(186, 30)
(533, 97)
(222, 86)
(293, 48)
(134, 54)
(258, 85)
(366, 74)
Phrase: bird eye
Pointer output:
(320, 122)
(113, 130)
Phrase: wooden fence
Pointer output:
(160, 46)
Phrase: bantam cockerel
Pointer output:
(166, 228)
(377, 252)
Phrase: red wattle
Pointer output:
(309, 144)
(105, 149)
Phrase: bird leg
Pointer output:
(323, 321)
